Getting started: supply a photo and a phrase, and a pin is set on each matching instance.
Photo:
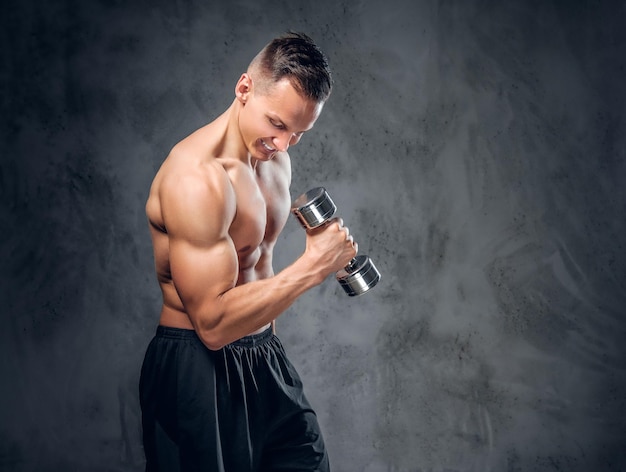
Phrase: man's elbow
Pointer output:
(211, 335)
(212, 346)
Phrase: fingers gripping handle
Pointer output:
(313, 209)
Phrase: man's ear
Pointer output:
(243, 88)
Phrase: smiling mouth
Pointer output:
(268, 148)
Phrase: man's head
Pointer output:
(282, 94)
(293, 56)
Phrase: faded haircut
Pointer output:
(296, 57)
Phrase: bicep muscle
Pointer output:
(198, 211)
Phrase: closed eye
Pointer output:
(276, 124)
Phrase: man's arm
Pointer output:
(198, 213)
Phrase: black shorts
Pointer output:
(238, 409)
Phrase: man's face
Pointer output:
(274, 119)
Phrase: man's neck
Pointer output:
(234, 146)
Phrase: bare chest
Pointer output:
(262, 210)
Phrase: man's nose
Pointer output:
(285, 140)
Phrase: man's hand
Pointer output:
(330, 247)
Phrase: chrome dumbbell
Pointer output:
(313, 209)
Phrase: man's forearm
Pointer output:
(246, 308)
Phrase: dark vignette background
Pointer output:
(477, 151)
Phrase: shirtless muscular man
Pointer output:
(217, 391)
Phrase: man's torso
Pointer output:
(262, 207)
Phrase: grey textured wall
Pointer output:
(476, 150)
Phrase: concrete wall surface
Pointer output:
(475, 149)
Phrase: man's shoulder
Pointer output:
(278, 169)
(283, 160)
(195, 192)
(184, 172)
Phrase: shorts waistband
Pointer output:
(247, 341)
(254, 339)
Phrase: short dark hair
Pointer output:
(296, 57)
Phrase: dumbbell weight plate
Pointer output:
(313, 208)
(358, 276)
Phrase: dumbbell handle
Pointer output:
(352, 265)
(313, 209)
